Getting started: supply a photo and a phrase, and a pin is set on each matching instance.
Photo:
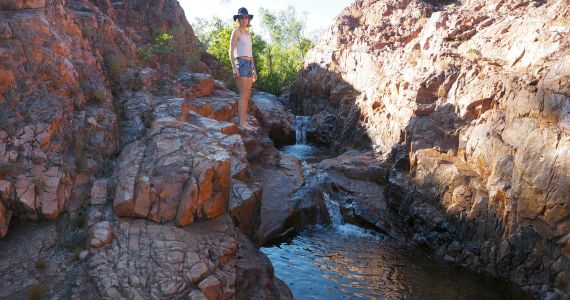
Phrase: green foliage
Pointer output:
(219, 45)
(163, 44)
(283, 58)
(277, 62)
(78, 221)
(170, 47)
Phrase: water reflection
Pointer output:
(348, 262)
(343, 261)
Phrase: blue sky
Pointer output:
(320, 13)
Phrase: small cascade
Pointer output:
(333, 208)
(300, 125)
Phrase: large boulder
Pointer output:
(275, 119)
(177, 173)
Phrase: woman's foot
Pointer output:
(246, 127)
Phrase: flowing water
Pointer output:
(342, 261)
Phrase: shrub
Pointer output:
(441, 92)
(116, 65)
(40, 185)
(41, 264)
(79, 220)
(36, 292)
(75, 242)
(413, 57)
(472, 54)
(8, 169)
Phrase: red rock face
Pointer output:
(62, 63)
(89, 126)
(475, 94)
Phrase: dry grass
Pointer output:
(8, 169)
(36, 292)
(41, 264)
(40, 185)
(441, 92)
(413, 57)
(472, 54)
(443, 63)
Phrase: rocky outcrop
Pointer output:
(162, 261)
(134, 151)
(59, 120)
(275, 119)
(469, 101)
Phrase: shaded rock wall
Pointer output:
(469, 98)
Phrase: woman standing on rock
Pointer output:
(243, 67)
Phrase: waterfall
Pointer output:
(300, 125)
(333, 208)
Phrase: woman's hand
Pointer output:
(254, 76)
(236, 73)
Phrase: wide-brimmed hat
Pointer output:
(243, 12)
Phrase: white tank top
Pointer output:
(243, 47)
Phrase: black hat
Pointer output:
(243, 12)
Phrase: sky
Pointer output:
(320, 13)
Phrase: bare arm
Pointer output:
(233, 43)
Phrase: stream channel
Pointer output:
(343, 261)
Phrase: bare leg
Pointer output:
(241, 87)
(244, 85)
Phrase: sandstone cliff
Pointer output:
(470, 101)
(113, 131)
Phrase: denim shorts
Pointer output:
(245, 67)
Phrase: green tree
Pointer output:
(277, 62)
(286, 28)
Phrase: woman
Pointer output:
(243, 67)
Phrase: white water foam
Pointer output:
(333, 208)
(300, 125)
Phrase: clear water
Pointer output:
(347, 262)
(343, 261)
